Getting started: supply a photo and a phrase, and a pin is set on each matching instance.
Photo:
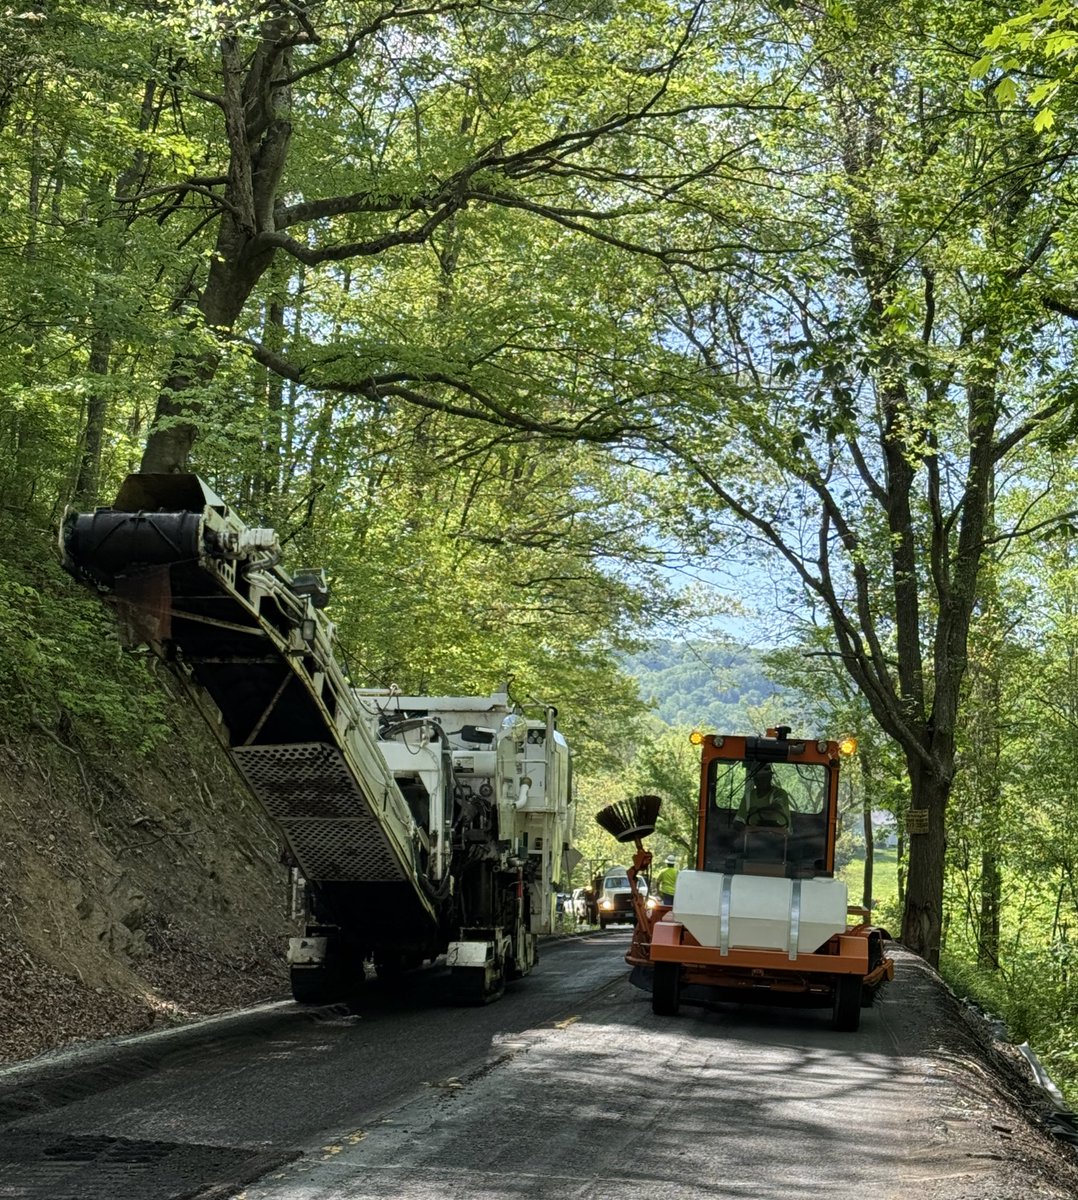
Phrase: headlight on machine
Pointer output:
(607, 904)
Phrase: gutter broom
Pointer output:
(633, 820)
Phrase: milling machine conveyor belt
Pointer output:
(188, 578)
(307, 788)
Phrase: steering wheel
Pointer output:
(769, 816)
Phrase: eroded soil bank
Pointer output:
(131, 895)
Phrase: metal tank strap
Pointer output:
(724, 914)
(795, 917)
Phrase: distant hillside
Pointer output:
(707, 684)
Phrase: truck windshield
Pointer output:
(767, 817)
(616, 881)
(797, 787)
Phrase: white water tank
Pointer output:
(761, 910)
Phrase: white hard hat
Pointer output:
(670, 860)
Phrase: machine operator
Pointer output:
(666, 880)
(764, 803)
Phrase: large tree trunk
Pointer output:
(230, 283)
(256, 106)
(922, 921)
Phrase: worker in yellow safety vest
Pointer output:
(666, 880)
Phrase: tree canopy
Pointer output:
(492, 311)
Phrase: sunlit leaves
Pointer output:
(1043, 43)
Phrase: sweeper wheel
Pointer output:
(869, 995)
(846, 1014)
(666, 989)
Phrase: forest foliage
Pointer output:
(507, 317)
(699, 683)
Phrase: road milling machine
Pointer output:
(761, 917)
(419, 825)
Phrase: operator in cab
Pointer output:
(765, 803)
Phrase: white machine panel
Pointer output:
(760, 912)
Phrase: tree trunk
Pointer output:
(922, 921)
(991, 893)
(870, 848)
(109, 261)
(256, 106)
(237, 267)
(900, 864)
(270, 469)
(89, 474)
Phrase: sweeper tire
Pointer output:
(846, 1014)
(869, 995)
(666, 989)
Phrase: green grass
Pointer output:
(884, 877)
(1036, 992)
(1037, 1002)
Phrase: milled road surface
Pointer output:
(568, 1087)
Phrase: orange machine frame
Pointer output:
(658, 938)
(733, 749)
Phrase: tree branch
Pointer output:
(484, 409)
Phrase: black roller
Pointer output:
(103, 545)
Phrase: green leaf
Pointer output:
(1042, 92)
(1044, 120)
(1060, 42)
(1006, 91)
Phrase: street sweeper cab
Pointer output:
(761, 917)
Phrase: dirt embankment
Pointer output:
(130, 895)
(986, 1134)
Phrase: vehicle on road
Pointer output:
(761, 917)
(615, 904)
(414, 826)
(583, 906)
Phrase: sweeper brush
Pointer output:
(630, 820)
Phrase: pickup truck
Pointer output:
(615, 897)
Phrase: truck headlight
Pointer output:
(606, 904)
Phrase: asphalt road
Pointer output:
(567, 1087)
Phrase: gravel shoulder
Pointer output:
(985, 1117)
